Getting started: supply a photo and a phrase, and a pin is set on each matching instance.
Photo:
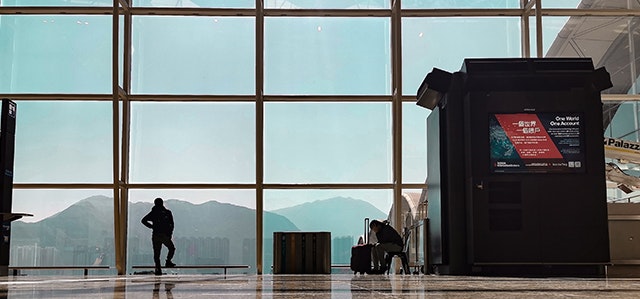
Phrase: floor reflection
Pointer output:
(311, 286)
(168, 286)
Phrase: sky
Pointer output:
(66, 142)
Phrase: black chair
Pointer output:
(401, 254)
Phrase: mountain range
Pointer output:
(88, 225)
(342, 216)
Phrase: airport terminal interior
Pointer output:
(267, 124)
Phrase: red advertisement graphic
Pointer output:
(528, 135)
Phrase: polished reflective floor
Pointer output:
(312, 286)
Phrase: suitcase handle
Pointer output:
(366, 230)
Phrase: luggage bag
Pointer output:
(361, 254)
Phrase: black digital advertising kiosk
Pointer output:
(7, 145)
(516, 181)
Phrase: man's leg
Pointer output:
(172, 250)
(377, 255)
(157, 247)
(389, 247)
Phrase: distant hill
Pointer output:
(87, 226)
(209, 219)
(84, 231)
(92, 219)
(343, 216)
(87, 222)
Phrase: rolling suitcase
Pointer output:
(361, 253)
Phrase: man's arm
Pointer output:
(145, 220)
(171, 221)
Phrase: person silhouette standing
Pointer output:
(160, 220)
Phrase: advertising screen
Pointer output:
(536, 142)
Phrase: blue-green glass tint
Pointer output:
(212, 227)
(552, 26)
(533, 41)
(624, 124)
(57, 2)
(340, 212)
(68, 228)
(191, 142)
(608, 4)
(327, 56)
(414, 143)
(63, 142)
(444, 43)
(55, 54)
(460, 3)
(326, 4)
(327, 143)
(193, 55)
(197, 3)
(605, 40)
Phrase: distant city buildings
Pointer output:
(189, 251)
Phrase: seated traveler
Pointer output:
(389, 240)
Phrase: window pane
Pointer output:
(461, 3)
(533, 40)
(604, 39)
(414, 143)
(609, 4)
(55, 54)
(63, 142)
(69, 227)
(193, 142)
(340, 212)
(57, 2)
(414, 214)
(445, 42)
(320, 56)
(197, 3)
(326, 4)
(212, 227)
(193, 55)
(327, 142)
(624, 124)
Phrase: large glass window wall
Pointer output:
(320, 56)
(192, 142)
(193, 55)
(249, 119)
(55, 54)
(68, 227)
(327, 143)
(338, 211)
(445, 42)
(212, 227)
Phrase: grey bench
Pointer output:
(224, 267)
(16, 269)
(340, 266)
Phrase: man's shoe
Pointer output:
(169, 264)
(158, 272)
